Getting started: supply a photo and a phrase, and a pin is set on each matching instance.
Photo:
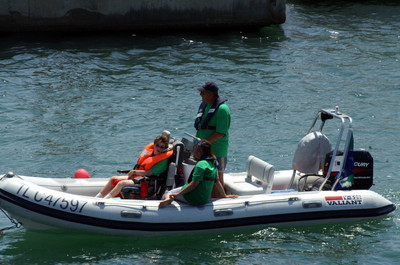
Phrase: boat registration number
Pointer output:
(53, 201)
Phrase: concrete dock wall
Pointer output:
(111, 15)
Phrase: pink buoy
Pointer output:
(81, 174)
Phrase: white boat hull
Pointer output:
(304, 195)
(50, 208)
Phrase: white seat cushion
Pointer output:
(258, 179)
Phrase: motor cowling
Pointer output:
(363, 168)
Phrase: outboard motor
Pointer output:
(363, 168)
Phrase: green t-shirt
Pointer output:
(159, 167)
(222, 121)
(206, 172)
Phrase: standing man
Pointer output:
(212, 124)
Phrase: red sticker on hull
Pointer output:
(333, 198)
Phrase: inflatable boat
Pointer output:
(325, 185)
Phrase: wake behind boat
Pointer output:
(325, 185)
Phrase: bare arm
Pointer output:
(134, 172)
(191, 186)
(215, 136)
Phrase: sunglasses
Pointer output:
(160, 146)
(198, 143)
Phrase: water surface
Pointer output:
(93, 102)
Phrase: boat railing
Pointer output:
(329, 114)
(346, 124)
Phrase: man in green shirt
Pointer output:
(212, 124)
(204, 180)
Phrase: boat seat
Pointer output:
(174, 163)
(259, 178)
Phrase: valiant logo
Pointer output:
(343, 200)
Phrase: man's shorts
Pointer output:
(222, 161)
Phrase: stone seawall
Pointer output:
(137, 15)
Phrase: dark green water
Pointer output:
(93, 102)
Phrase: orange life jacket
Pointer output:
(146, 161)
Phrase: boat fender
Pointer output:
(82, 174)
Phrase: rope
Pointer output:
(16, 223)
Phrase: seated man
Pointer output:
(153, 160)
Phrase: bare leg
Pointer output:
(118, 188)
(221, 178)
(216, 193)
(108, 187)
